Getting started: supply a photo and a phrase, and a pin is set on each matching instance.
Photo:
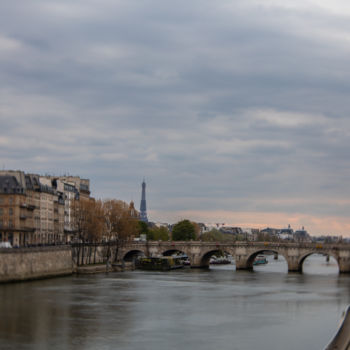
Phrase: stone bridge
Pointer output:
(244, 253)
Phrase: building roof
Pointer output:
(9, 184)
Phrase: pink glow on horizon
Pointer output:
(315, 225)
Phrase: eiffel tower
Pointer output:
(143, 209)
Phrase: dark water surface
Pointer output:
(184, 309)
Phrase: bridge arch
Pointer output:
(204, 260)
(252, 256)
(314, 252)
(131, 255)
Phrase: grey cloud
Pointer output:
(115, 91)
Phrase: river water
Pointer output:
(219, 308)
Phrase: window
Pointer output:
(1, 212)
(10, 200)
(1, 200)
(10, 211)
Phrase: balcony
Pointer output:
(23, 205)
(27, 229)
(22, 217)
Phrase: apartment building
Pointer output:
(73, 189)
(38, 209)
(17, 209)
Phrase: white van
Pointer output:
(5, 245)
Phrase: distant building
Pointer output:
(286, 233)
(270, 231)
(328, 239)
(302, 235)
(231, 230)
(132, 211)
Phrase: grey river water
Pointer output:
(219, 308)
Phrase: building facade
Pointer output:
(38, 210)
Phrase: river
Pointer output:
(218, 308)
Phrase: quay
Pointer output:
(341, 340)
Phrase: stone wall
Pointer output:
(33, 263)
(99, 253)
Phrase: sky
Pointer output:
(234, 111)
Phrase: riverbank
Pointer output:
(27, 264)
(101, 268)
(35, 263)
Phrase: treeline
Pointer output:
(184, 230)
(109, 220)
(97, 220)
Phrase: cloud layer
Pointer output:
(226, 107)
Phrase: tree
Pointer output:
(183, 231)
(153, 233)
(158, 234)
(197, 230)
(89, 225)
(143, 229)
(119, 221)
(88, 219)
(213, 235)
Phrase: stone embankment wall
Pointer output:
(33, 263)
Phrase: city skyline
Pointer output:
(234, 112)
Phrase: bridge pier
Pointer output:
(242, 263)
(196, 261)
(293, 264)
(242, 259)
(344, 261)
(344, 265)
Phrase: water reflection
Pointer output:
(194, 309)
(320, 265)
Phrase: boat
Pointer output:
(187, 262)
(164, 263)
(219, 261)
(260, 260)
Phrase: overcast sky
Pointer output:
(234, 111)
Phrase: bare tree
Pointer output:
(120, 223)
